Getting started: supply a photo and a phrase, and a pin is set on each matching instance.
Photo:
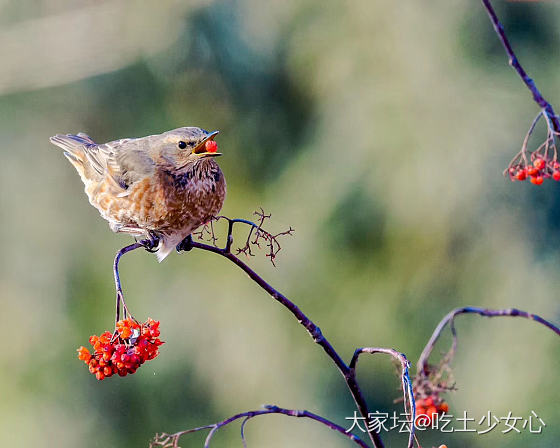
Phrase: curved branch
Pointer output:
(118, 288)
(308, 324)
(514, 62)
(408, 393)
(172, 440)
(422, 367)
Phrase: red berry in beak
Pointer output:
(211, 146)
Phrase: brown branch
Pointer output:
(171, 440)
(312, 329)
(514, 62)
(406, 382)
(118, 288)
(449, 319)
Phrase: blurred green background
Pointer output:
(378, 130)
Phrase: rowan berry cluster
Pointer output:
(130, 346)
(427, 407)
(536, 171)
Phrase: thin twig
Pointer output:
(406, 382)
(256, 235)
(118, 288)
(514, 62)
(422, 367)
(172, 440)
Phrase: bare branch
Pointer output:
(172, 440)
(313, 330)
(406, 382)
(422, 367)
(514, 62)
(117, 278)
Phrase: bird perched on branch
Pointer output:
(160, 187)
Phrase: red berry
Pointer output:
(556, 175)
(539, 164)
(422, 418)
(443, 407)
(211, 146)
(532, 171)
(428, 402)
(521, 175)
(537, 180)
(84, 354)
(431, 411)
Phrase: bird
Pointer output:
(159, 187)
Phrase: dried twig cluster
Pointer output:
(257, 237)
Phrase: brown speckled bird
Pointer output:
(160, 187)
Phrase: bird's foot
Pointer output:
(151, 243)
(185, 245)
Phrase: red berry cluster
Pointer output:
(130, 346)
(427, 407)
(537, 171)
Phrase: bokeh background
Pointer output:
(378, 130)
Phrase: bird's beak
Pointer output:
(201, 150)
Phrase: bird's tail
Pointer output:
(74, 146)
(167, 244)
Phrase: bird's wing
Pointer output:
(126, 161)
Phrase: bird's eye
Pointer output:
(182, 145)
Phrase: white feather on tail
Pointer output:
(167, 244)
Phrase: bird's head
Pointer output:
(184, 147)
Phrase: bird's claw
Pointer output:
(185, 245)
(150, 244)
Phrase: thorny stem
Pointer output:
(422, 367)
(313, 330)
(408, 394)
(172, 440)
(514, 62)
